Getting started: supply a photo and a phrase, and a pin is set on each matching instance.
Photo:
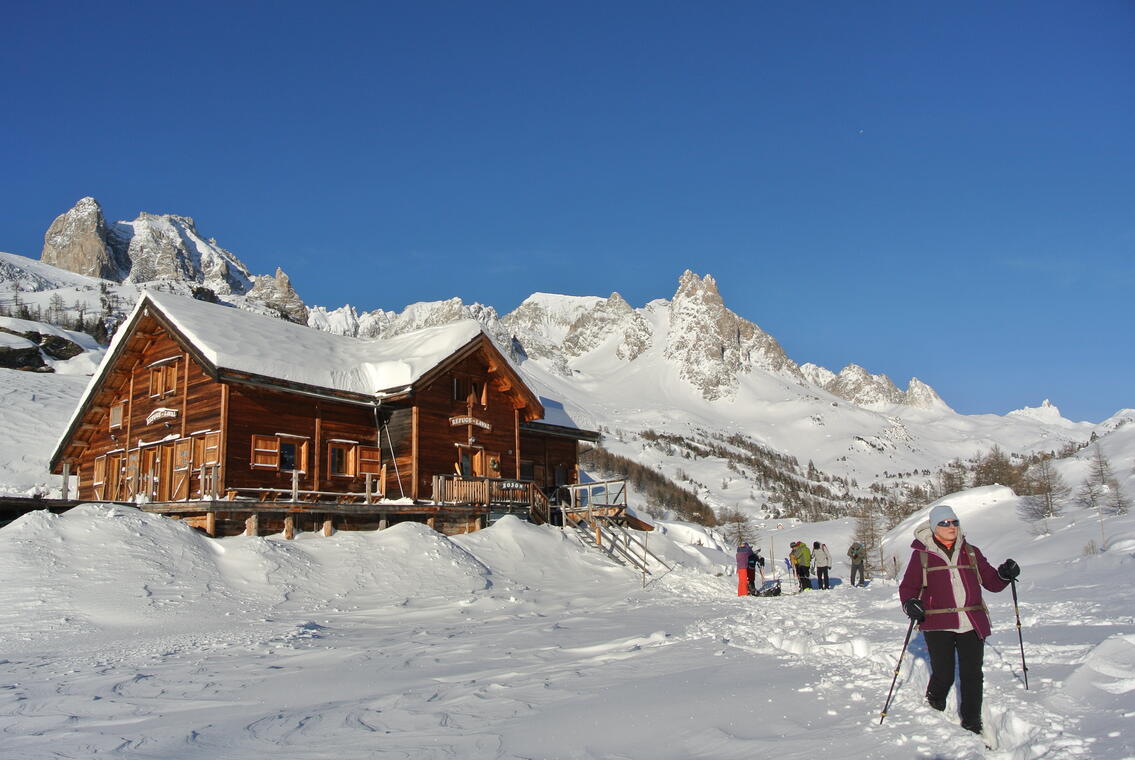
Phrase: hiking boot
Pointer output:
(939, 704)
(970, 726)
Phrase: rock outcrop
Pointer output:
(152, 248)
(713, 346)
(80, 241)
(276, 295)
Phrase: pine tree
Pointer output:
(736, 526)
(1047, 493)
(995, 468)
(867, 533)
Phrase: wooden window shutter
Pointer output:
(211, 453)
(370, 460)
(116, 414)
(265, 451)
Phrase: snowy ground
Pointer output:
(129, 635)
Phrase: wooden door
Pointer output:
(131, 475)
(182, 468)
(148, 475)
(115, 488)
(164, 488)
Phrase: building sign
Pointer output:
(161, 413)
(455, 421)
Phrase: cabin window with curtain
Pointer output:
(277, 452)
(163, 377)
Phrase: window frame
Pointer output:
(163, 377)
(267, 452)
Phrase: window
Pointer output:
(117, 412)
(341, 459)
(163, 377)
(349, 459)
(279, 452)
(466, 388)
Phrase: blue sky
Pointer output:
(940, 190)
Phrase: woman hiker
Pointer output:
(941, 591)
(821, 562)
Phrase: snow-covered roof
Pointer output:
(241, 341)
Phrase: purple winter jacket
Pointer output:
(938, 595)
(744, 552)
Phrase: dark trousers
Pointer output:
(856, 567)
(802, 574)
(822, 577)
(969, 649)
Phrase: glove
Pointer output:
(914, 609)
(760, 560)
(1008, 570)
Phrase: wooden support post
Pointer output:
(67, 481)
(289, 526)
(252, 525)
(370, 479)
(295, 486)
(211, 523)
(383, 522)
(328, 529)
(432, 521)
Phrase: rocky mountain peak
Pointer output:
(613, 318)
(859, 386)
(276, 294)
(153, 247)
(169, 247)
(922, 396)
(712, 345)
(79, 241)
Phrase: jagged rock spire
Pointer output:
(79, 241)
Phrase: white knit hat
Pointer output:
(940, 513)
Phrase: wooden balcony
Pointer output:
(498, 494)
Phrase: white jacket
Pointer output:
(821, 557)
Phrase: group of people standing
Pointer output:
(805, 560)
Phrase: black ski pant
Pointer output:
(856, 567)
(822, 577)
(966, 651)
(802, 573)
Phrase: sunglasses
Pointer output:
(948, 523)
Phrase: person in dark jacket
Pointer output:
(941, 591)
(744, 573)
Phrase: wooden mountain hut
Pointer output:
(240, 422)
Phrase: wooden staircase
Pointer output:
(598, 513)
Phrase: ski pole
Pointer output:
(909, 628)
(1020, 638)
